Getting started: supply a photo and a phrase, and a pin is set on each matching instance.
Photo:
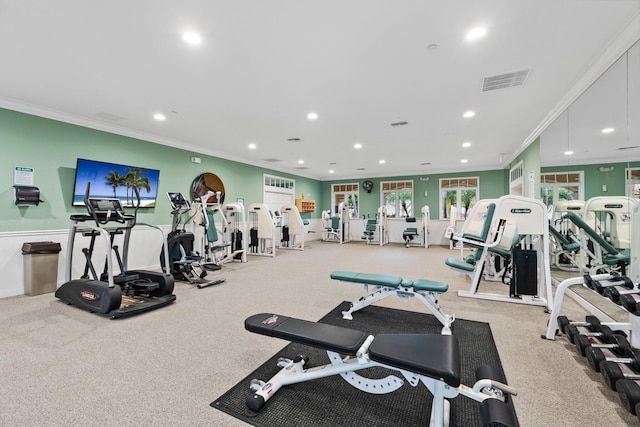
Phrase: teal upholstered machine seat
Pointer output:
(564, 242)
(369, 230)
(469, 265)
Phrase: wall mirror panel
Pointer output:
(603, 125)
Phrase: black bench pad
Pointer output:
(435, 356)
(327, 337)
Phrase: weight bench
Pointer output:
(431, 359)
(384, 285)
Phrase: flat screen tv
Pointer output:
(110, 180)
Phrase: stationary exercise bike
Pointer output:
(184, 263)
(116, 295)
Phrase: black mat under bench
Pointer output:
(333, 402)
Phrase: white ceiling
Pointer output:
(359, 64)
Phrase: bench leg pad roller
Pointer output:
(496, 413)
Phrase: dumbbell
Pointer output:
(629, 393)
(601, 285)
(616, 342)
(629, 355)
(592, 323)
(614, 293)
(631, 302)
(600, 331)
(612, 373)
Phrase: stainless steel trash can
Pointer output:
(40, 267)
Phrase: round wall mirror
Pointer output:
(204, 183)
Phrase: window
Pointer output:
(347, 193)
(516, 179)
(632, 182)
(561, 186)
(397, 197)
(459, 192)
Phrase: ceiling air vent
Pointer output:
(425, 163)
(360, 169)
(503, 81)
(272, 160)
(294, 139)
(628, 148)
(301, 168)
(399, 124)
(108, 116)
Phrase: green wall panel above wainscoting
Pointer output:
(51, 149)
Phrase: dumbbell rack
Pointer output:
(632, 325)
(627, 389)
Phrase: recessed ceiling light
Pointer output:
(468, 114)
(252, 146)
(476, 33)
(300, 162)
(382, 162)
(466, 144)
(331, 171)
(568, 153)
(464, 161)
(312, 116)
(607, 130)
(160, 117)
(357, 146)
(191, 38)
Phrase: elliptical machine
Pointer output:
(184, 263)
(116, 295)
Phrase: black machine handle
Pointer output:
(119, 216)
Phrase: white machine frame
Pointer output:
(531, 220)
(260, 219)
(291, 218)
(422, 238)
(341, 234)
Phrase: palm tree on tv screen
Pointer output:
(114, 179)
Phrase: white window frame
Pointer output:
(516, 179)
(397, 187)
(630, 182)
(463, 185)
(558, 185)
(343, 191)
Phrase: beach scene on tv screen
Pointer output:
(110, 180)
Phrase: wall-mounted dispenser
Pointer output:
(27, 195)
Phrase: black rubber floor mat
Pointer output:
(333, 402)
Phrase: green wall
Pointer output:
(531, 160)
(492, 185)
(594, 179)
(51, 149)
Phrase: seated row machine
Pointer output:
(431, 359)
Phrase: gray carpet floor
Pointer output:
(61, 366)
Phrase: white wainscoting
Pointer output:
(144, 253)
(145, 249)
